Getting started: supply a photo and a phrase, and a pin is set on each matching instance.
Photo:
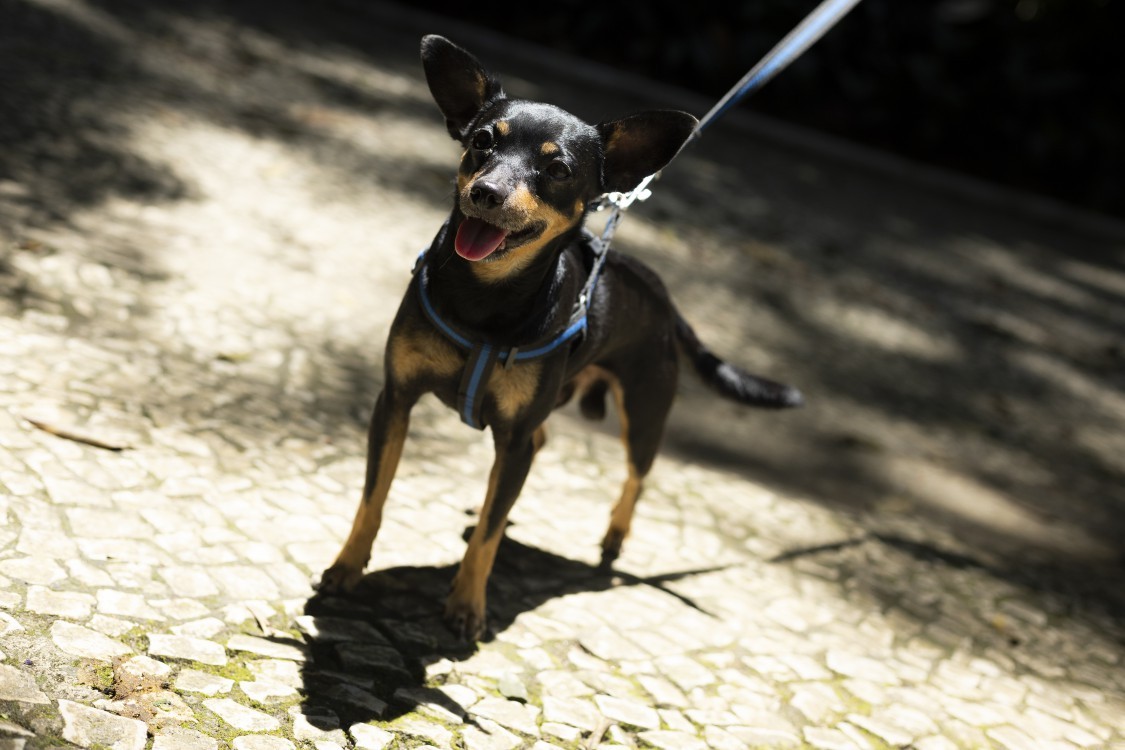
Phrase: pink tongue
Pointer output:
(477, 239)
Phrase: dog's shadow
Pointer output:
(369, 650)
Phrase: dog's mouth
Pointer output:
(477, 239)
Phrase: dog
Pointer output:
(511, 312)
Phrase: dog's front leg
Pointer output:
(384, 448)
(465, 607)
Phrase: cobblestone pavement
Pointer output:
(207, 215)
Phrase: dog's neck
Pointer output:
(521, 307)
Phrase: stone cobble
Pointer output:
(183, 388)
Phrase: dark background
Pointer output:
(1026, 93)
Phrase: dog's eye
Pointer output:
(558, 170)
(482, 140)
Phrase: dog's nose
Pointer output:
(486, 194)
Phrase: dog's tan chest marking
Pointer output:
(422, 352)
(513, 389)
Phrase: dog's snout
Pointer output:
(486, 194)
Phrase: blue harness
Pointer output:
(483, 355)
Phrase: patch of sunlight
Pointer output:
(958, 495)
(1016, 270)
(1099, 277)
(879, 328)
(89, 17)
(1074, 381)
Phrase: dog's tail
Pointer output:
(731, 381)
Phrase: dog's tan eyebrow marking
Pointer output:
(502, 127)
(548, 148)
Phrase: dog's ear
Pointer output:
(640, 145)
(459, 83)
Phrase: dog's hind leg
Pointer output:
(642, 408)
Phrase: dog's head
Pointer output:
(530, 169)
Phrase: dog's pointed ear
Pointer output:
(459, 83)
(640, 145)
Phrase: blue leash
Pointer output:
(792, 46)
(483, 355)
(815, 25)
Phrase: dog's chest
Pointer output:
(423, 358)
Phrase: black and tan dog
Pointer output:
(508, 316)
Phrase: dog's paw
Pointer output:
(466, 619)
(338, 579)
(611, 549)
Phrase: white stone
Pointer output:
(860, 667)
(771, 738)
(184, 647)
(16, 685)
(79, 641)
(277, 670)
(685, 672)
(111, 626)
(666, 740)
(311, 723)
(488, 735)
(426, 730)
(509, 714)
(823, 738)
(244, 582)
(663, 692)
(628, 712)
(109, 524)
(42, 571)
(191, 582)
(265, 647)
(87, 574)
(853, 733)
(721, 739)
(175, 738)
(8, 624)
(562, 684)
(46, 543)
(261, 691)
(88, 727)
(816, 701)
(1011, 738)
(564, 732)
(195, 681)
(181, 609)
(610, 645)
(114, 602)
(367, 737)
(69, 604)
(935, 743)
(573, 711)
(261, 742)
(8, 729)
(675, 720)
(206, 627)
(241, 717)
